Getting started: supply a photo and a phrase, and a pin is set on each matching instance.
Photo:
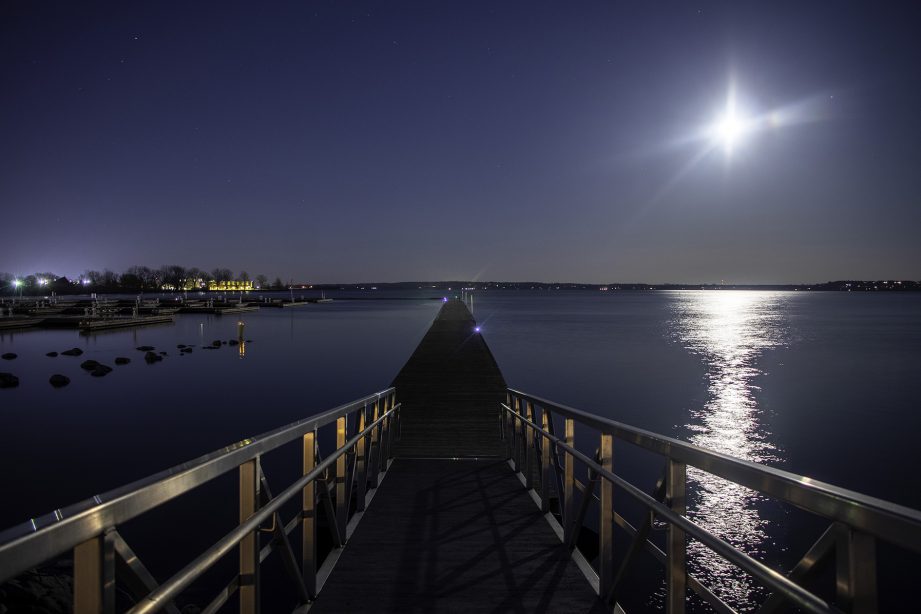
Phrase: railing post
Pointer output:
(94, 575)
(529, 445)
(385, 436)
(361, 461)
(376, 446)
(856, 571)
(342, 510)
(676, 544)
(249, 545)
(546, 469)
(309, 518)
(569, 478)
(606, 519)
(398, 425)
(516, 434)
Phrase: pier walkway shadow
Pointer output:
(452, 528)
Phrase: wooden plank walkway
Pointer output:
(449, 390)
(452, 528)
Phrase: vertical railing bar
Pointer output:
(516, 439)
(351, 468)
(94, 575)
(398, 423)
(342, 509)
(249, 545)
(676, 541)
(376, 447)
(606, 518)
(309, 518)
(361, 459)
(569, 477)
(529, 445)
(385, 447)
(545, 468)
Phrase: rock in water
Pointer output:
(59, 381)
(121, 360)
(51, 354)
(152, 357)
(89, 365)
(232, 342)
(146, 348)
(72, 352)
(8, 356)
(216, 343)
(8, 380)
(101, 370)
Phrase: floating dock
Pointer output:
(217, 310)
(90, 326)
(284, 304)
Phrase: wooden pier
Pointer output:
(452, 528)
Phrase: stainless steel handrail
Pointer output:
(857, 520)
(188, 574)
(889, 521)
(770, 577)
(31, 543)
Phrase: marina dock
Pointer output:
(450, 491)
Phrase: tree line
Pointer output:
(135, 278)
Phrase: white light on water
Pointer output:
(730, 331)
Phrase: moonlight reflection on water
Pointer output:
(730, 331)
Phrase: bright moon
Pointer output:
(729, 129)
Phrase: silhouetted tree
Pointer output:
(221, 274)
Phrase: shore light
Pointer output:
(476, 329)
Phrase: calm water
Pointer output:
(816, 383)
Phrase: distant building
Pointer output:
(230, 286)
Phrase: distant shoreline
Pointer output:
(457, 286)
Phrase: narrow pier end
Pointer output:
(450, 390)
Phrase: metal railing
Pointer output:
(365, 430)
(857, 521)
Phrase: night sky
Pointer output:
(389, 141)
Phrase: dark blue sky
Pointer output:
(386, 141)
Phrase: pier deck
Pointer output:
(452, 528)
(449, 390)
(455, 536)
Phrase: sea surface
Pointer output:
(821, 384)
